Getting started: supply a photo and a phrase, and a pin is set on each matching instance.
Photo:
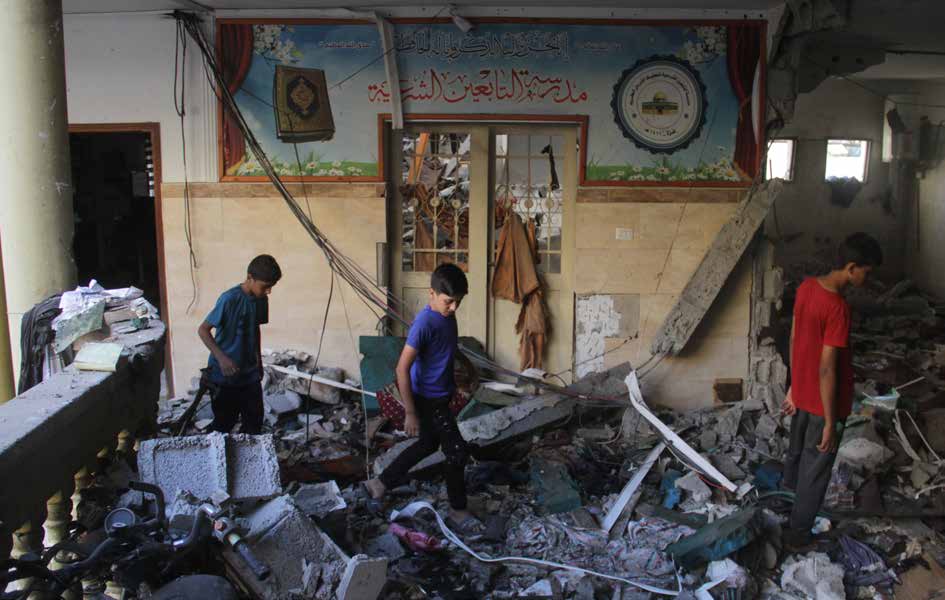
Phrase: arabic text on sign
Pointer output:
(451, 45)
(490, 85)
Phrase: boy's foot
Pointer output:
(464, 523)
(375, 488)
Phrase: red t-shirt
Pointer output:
(821, 318)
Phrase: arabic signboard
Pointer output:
(670, 120)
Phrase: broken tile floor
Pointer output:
(544, 483)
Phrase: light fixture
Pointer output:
(464, 25)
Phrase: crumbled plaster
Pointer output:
(598, 317)
(767, 371)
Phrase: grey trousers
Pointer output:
(806, 471)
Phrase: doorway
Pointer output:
(118, 239)
(453, 186)
(115, 239)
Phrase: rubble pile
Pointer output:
(549, 470)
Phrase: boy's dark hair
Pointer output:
(450, 280)
(264, 268)
(861, 249)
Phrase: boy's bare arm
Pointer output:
(828, 396)
(205, 332)
(411, 423)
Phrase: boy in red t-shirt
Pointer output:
(821, 392)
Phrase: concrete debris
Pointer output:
(304, 362)
(864, 453)
(716, 266)
(541, 589)
(727, 425)
(243, 466)
(302, 557)
(733, 577)
(708, 440)
(386, 545)
(813, 576)
(727, 466)
(319, 500)
(767, 427)
(284, 402)
(552, 478)
(698, 491)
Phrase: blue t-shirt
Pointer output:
(236, 323)
(434, 338)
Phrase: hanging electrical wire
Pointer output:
(180, 64)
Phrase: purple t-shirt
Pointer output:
(434, 338)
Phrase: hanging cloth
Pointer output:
(516, 279)
(514, 276)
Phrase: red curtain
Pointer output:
(744, 51)
(236, 55)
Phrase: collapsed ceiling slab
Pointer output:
(716, 266)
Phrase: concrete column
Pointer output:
(36, 218)
(7, 388)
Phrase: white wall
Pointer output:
(836, 109)
(120, 69)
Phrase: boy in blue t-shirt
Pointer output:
(425, 381)
(235, 363)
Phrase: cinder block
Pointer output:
(196, 464)
(290, 544)
(252, 467)
(243, 466)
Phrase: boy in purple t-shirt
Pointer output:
(425, 381)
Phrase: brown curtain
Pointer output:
(744, 52)
(236, 56)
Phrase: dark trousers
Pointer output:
(437, 429)
(807, 471)
(238, 402)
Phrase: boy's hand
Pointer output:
(412, 425)
(788, 407)
(227, 365)
(829, 441)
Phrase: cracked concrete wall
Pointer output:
(671, 231)
(804, 218)
(767, 371)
